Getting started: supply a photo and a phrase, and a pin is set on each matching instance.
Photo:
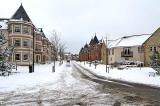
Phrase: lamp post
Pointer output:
(107, 68)
(33, 52)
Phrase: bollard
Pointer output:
(30, 69)
(53, 69)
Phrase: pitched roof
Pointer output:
(91, 42)
(86, 45)
(126, 41)
(21, 14)
(95, 40)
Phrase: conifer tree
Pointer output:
(156, 61)
(5, 65)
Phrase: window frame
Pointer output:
(19, 57)
(154, 48)
(127, 51)
(24, 57)
(24, 29)
(16, 43)
(26, 46)
(15, 28)
(150, 48)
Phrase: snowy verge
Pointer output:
(22, 79)
(133, 74)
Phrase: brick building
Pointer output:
(92, 51)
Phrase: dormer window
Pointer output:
(25, 29)
(17, 28)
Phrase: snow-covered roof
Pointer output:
(4, 24)
(126, 41)
(20, 21)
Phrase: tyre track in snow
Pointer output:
(80, 91)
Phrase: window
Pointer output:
(151, 48)
(17, 28)
(17, 57)
(109, 51)
(25, 43)
(112, 51)
(95, 48)
(155, 48)
(127, 51)
(25, 29)
(25, 57)
(17, 43)
(38, 47)
(38, 38)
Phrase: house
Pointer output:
(91, 52)
(95, 49)
(84, 53)
(150, 45)
(67, 56)
(27, 39)
(127, 48)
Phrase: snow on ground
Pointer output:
(134, 74)
(23, 79)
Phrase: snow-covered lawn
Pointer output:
(136, 75)
(23, 79)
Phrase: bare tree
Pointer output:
(58, 44)
(55, 40)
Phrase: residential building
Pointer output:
(91, 52)
(22, 33)
(150, 45)
(127, 48)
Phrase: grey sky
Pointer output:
(78, 20)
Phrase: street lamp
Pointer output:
(31, 68)
(107, 68)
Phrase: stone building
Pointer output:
(127, 48)
(22, 33)
(150, 45)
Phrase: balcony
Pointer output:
(123, 54)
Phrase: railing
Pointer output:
(130, 54)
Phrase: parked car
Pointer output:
(68, 63)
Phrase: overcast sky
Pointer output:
(79, 20)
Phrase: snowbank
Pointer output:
(134, 74)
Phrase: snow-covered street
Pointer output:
(67, 86)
